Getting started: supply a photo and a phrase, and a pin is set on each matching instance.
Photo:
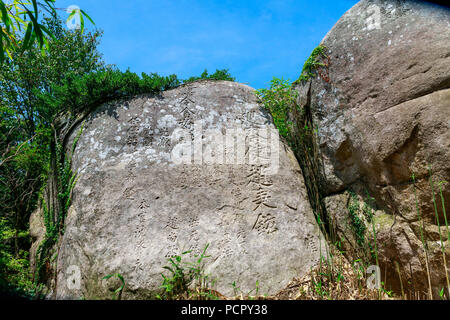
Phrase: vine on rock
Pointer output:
(55, 210)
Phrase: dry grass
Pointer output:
(338, 281)
(334, 279)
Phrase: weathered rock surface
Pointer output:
(134, 206)
(383, 114)
(37, 234)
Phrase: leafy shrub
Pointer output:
(15, 278)
(35, 89)
(182, 275)
(279, 99)
(295, 124)
(314, 63)
(218, 75)
(76, 93)
(357, 224)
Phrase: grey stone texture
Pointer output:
(134, 206)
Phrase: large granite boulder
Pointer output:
(381, 103)
(159, 175)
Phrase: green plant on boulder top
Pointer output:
(279, 99)
(389, 293)
(313, 63)
(441, 294)
(361, 211)
(79, 93)
(222, 74)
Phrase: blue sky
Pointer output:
(255, 39)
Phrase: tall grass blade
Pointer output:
(422, 227)
(439, 228)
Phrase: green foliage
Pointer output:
(25, 125)
(313, 63)
(279, 99)
(368, 207)
(118, 292)
(18, 35)
(182, 274)
(439, 227)
(178, 282)
(79, 93)
(26, 132)
(54, 217)
(28, 76)
(20, 163)
(389, 293)
(81, 14)
(441, 183)
(295, 124)
(251, 295)
(422, 237)
(222, 74)
(441, 294)
(15, 277)
(35, 89)
(357, 224)
(45, 247)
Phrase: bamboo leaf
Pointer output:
(72, 14)
(37, 29)
(26, 41)
(36, 12)
(5, 17)
(81, 21)
(2, 54)
(87, 16)
(48, 32)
